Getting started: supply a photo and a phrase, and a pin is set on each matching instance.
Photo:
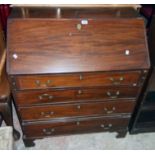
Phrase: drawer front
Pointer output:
(70, 95)
(77, 126)
(78, 109)
(77, 80)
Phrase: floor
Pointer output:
(94, 141)
(6, 139)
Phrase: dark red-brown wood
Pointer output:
(69, 77)
(56, 46)
(74, 95)
(67, 13)
(78, 80)
(77, 109)
(77, 126)
(6, 104)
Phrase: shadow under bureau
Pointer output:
(80, 72)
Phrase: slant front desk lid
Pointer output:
(63, 45)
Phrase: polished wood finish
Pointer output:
(55, 47)
(78, 80)
(76, 12)
(76, 109)
(5, 93)
(76, 70)
(2, 63)
(2, 52)
(72, 95)
(6, 104)
(76, 126)
(4, 87)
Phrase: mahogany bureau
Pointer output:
(75, 70)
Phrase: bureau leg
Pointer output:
(121, 134)
(29, 142)
(16, 134)
(0, 121)
(8, 118)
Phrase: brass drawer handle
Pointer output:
(78, 107)
(77, 123)
(109, 111)
(106, 127)
(81, 77)
(46, 84)
(79, 26)
(116, 81)
(47, 114)
(80, 92)
(113, 96)
(48, 131)
(45, 96)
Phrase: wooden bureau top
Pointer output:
(90, 12)
(86, 42)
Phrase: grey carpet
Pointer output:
(94, 141)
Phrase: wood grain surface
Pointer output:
(76, 126)
(2, 52)
(74, 95)
(57, 46)
(126, 78)
(77, 109)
